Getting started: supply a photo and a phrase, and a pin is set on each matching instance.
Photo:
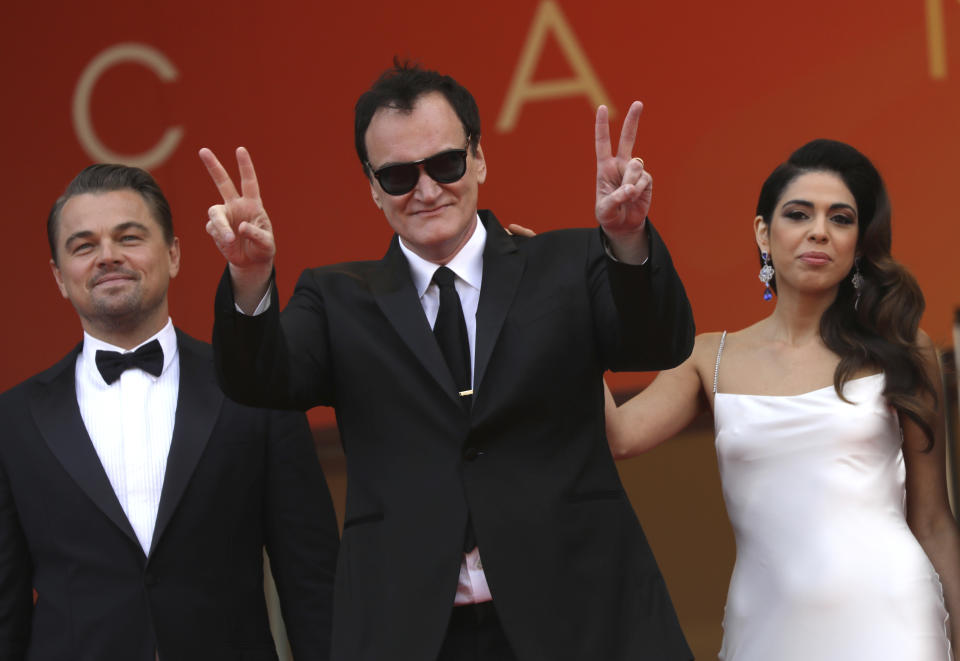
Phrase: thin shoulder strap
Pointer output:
(716, 368)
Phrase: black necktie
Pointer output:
(112, 364)
(451, 330)
(451, 333)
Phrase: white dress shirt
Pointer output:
(468, 267)
(130, 423)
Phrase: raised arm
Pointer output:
(928, 507)
(663, 408)
(624, 188)
(241, 229)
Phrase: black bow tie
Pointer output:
(112, 364)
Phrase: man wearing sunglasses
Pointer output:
(485, 519)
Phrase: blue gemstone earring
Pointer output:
(766, 275)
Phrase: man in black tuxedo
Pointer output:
(135, 498)
(485, 518)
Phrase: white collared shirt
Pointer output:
(468, 266)
(130, 423)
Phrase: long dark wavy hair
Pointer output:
(881, 331)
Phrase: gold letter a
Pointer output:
(523, 89)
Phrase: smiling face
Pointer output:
(114, 265)
(812, 234)
(434, 220)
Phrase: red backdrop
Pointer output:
(730, 89)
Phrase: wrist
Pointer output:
(631, 247)
(250, 283)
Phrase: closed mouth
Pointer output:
(108, 278)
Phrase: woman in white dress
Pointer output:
(828, 433)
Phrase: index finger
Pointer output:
(628, 134)
(219, 175)
(601, 134)
(248, 176)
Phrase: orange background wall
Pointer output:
(730, 89)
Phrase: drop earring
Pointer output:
(766, 275)
(857, 281)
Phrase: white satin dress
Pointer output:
(826, 568)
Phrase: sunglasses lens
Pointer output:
(444, 168)
(398, 179)
(447, 167)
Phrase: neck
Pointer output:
(796, 319)
(125, 335)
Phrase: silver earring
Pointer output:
(857, 281)
(766, 275)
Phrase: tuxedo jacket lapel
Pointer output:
(502, 267)
(57, 415)
(199, 400)
(394, 292)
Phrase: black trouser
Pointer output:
(475, 634)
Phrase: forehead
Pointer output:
(397, 136)
(819, 187)
(96, 212)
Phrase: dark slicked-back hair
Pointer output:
(879, 331)
(108, 177)
(398, 88)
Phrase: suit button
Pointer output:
(471, 453)
(150, 579)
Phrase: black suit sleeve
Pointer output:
(252, 354)
(16, 578)
(301, 535)
(654, 327)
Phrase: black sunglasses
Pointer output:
(444, 168)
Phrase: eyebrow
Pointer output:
(122, 227)
(806, 203)
(419, 160)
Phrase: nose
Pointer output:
(818, 229)
(109, 253)
(426, 188)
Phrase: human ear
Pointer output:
(174, 253)
(481, 164)
(762, 231)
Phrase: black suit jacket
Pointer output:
(570, 571)
(237, 479)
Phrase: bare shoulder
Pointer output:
(704, 355)
(705, 347)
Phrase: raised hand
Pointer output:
(240, 226)
(241, 229)
(624, 187)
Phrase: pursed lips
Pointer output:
(816, 258)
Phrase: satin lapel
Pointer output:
(502, 267)
(199, 400)
(394, 292)
(57, 414)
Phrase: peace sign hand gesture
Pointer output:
(241, 228)
(624, 188)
